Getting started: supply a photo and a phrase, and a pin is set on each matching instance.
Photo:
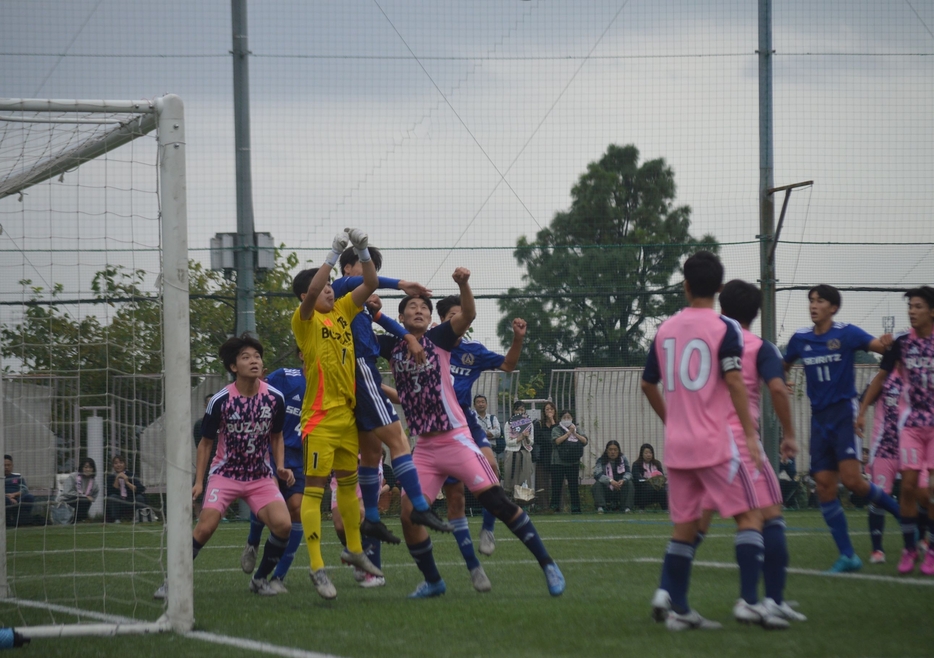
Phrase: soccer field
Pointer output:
(611, 563)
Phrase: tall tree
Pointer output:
(601, 273)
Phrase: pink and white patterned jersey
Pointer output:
(426, 391)
(689, 355)
(242, 427)
(891, 410)
(916, 356)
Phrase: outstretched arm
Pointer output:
(361, 293)
(321, 277)
(460, 323)
(519, 329)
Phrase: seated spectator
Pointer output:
(613, 480)
(18, 499)
(125, 493)
(81, 489)
(649, 477)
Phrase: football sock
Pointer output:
(195, 548)
(883, 500)
(664, 582)
(425, 560)
(523, 528)
(677, 566)
(836, 521)
(489, 520)
(349, 506)
(923, 522)
(369, 491)
(910, 532)
(272, 553)
(256, 531)
(776, 558)
(699, 539)
(462, 536)
(750, 548)
(876, 526)
(295, 540)
(404, 470)
(311, 524)
(371, 546)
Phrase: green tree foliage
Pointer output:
(600, 275)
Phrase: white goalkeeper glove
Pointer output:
(359, 239)
(337, 248)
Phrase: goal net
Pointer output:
(95, 366)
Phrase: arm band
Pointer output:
(332, 258)
(363, 254)
(731, 363)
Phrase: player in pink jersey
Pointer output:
(697, 356)
(246, 419)
(444, 446)
(913, 354)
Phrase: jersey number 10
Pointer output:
(695, 345)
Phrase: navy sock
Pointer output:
(699, 539)
(368, 478)
(883, 500)
(910, 532)
(677, 567)
(523, 528)
(776, 558)
(404, 470)
(371, 547)
(750, 549)
(462, 536)
(256, 531)
(665, 583)
(425, 560)
(836, 521)
(876, 527)
(195, 548)
(295, 540)
(489, 520)
(272, 553)
(923, 522)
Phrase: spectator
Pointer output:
(18, 499)
(81, 489)
(125, 493)
(613, 480)
(543, 427)
(651, 483)
(490, 424)
(568, 448)
(517, 465)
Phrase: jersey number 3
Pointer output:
(694, 346)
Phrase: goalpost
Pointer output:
(94, 294)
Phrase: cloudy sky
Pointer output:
(449, 129)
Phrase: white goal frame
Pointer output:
(166, 116)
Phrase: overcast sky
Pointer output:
(440, 124)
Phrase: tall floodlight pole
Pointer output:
(768, 425)
(246, 314)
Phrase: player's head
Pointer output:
(703, 275)
(415, 313)
(823, 302)
(7, 465)
(88, 467)
(612, 451)
(243, 356)
(920, 307)
(350, 262)
(449, 307)
(741, 301)
(480, 403)
(300, 283)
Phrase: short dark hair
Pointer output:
(5, 457)
(350, 257)
(232, 347)
(826, 292)
(704, 273)
(517, 404)
(446, 304)
(740, 300)
(116, 457)
(87, 461)
(924, 292)
(568, 412)
(478, 396)
(302, 280)
(408, 298)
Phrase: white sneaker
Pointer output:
(661, 605)
(248, 559)
(758, 613)
(162, 592)
(479, 580)
(360, 575)
(487, 542)
(369, 581)
(689, 621)
(323, 584)
(783, 610)
(599, 510)
(276, 585)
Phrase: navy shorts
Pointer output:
(297, 488)
(833, 438)
(373, 410)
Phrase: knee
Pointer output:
(494, 499)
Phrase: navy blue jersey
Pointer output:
(769, 362)
(468, 360)
(291, 383)
(828, 361)
(364, 340)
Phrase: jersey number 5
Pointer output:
(694, 346)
